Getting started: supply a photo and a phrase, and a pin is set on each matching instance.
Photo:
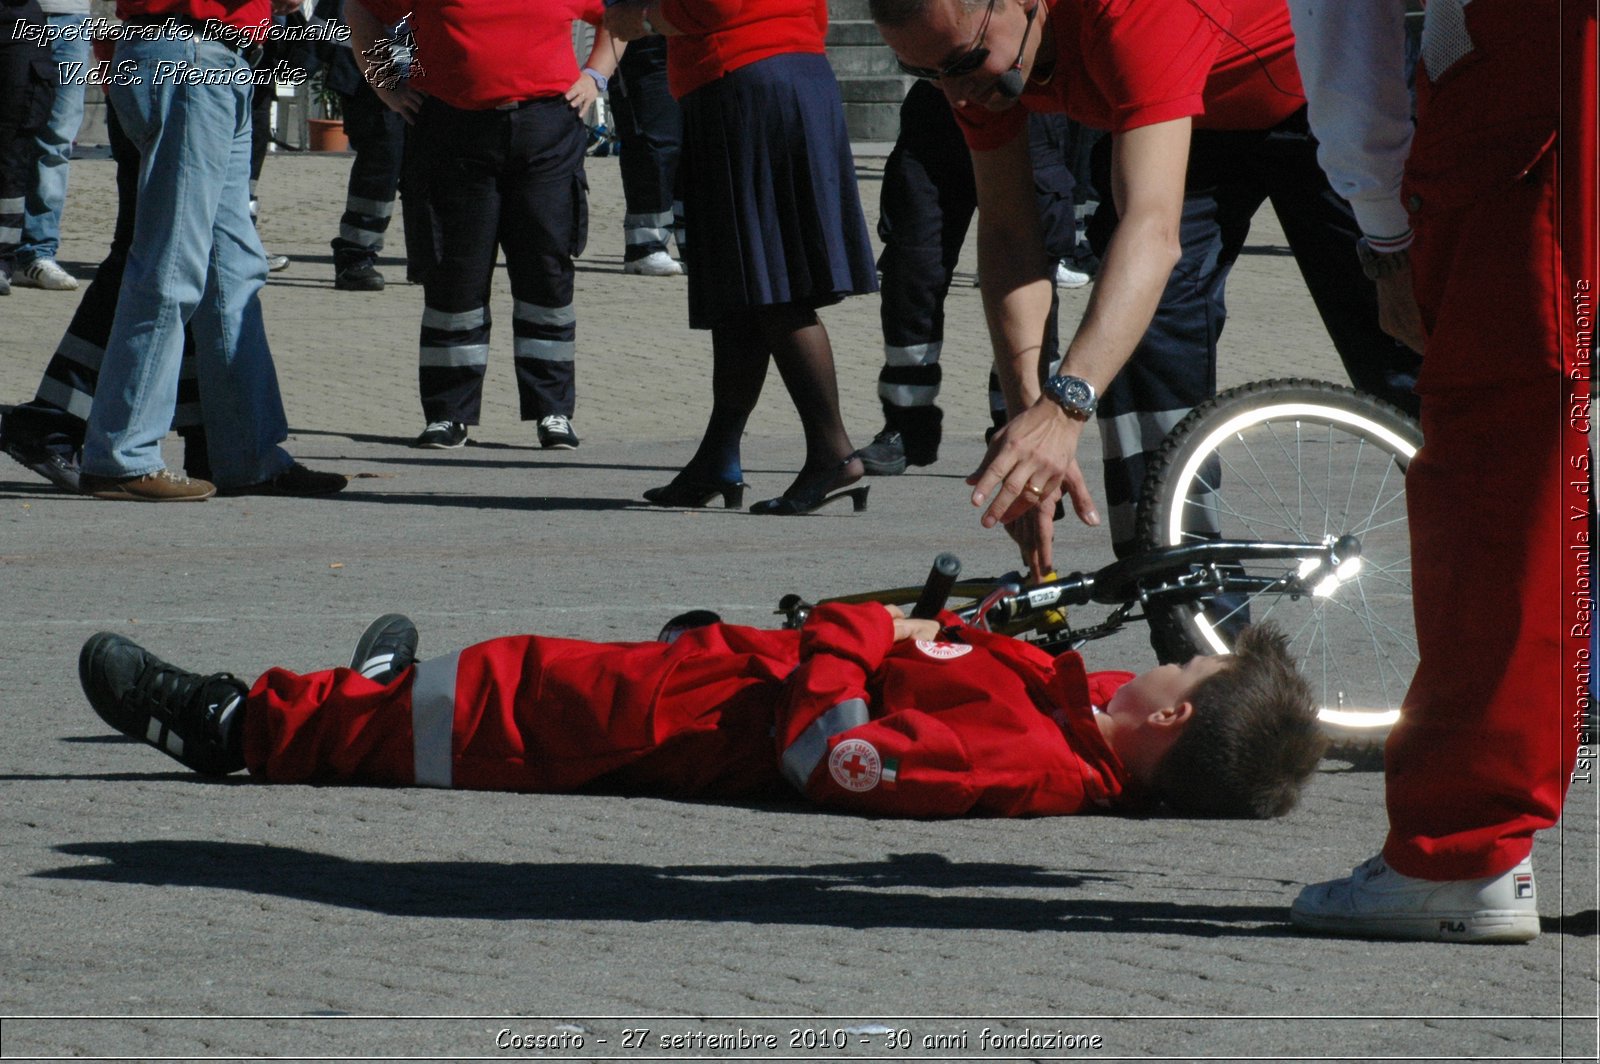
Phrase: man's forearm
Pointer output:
(365, 32)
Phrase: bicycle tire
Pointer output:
(1304, 459)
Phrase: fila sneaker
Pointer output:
(1375, 901)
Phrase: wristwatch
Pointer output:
(1073, 394)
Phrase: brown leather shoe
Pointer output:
(161, 486)
(297, 481)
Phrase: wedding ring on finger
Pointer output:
(1036, 492)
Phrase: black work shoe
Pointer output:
(362, 277)
(196, 719)
(685, 622)
(442, 436)
(386, 649)
(60, 469)
(885, 456)
(296, 481)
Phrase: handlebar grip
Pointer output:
(936, 590)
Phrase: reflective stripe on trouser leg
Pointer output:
(910, 375)
(545, 348)
(452, 360)
(645, 234)
(811, 746)
(361, 229)
(10, 223)
(70, 376)
(433, 715)
(1128, 442)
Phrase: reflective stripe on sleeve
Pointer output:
(808, 750)
(433, 716)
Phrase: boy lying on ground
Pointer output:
(862, 709)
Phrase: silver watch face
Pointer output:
(1074, 394)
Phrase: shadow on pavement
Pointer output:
(904, 890)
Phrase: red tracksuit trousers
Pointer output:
(1501, 188)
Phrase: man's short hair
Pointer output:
(1253, 739)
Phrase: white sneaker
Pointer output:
(1067, 277)
(1378, 902)
(655, 264)
(46, 274)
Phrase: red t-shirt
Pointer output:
(1122, 64)
(477, 54)
(228, 12)
(718, 36)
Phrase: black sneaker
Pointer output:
(193, 718)
(386, 649)
(297, 481)
(60, 469)
(442, 436)
(362, 277)
(685, 622)
(555, 433)
(885, 456)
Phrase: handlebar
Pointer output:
(936, 589)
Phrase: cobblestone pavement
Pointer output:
(148, 913)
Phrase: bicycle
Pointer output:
(1281, 499)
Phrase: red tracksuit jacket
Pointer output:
(982, 724)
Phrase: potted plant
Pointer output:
(326, 124)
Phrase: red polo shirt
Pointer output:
(477, 54)
(228, 12)
(1122, 64)
(718, 36)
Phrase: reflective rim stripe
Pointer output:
(73, 401)
(807, 751)
(433, 717)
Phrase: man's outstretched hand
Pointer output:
(1031, 464)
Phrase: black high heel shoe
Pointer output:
(688, 490)
(804, 498)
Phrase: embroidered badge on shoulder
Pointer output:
(855, 765)
(942, 651)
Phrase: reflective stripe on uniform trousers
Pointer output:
(809, 748)
(433, 716)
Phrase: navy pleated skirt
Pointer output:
(770, 205)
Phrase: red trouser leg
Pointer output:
(1498, 495)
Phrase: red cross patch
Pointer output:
(855, 765)
(943, 651)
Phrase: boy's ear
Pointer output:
(1173, 716)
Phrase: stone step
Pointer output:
(849, 11)
(887, 89)
(872, 121)
(861, 33)
(855, 59)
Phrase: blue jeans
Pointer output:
(195, 259)
(41, 226)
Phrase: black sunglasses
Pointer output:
(969, 61)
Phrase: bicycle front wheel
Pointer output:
(1299, 460)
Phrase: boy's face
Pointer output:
(1146, 715)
